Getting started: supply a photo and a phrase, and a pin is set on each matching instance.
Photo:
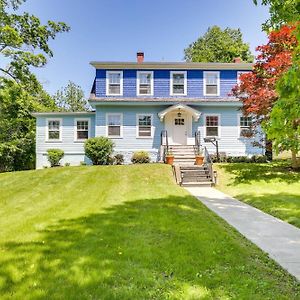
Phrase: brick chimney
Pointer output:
(237, 60)
(140, 57)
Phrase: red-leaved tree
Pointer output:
(257, 90)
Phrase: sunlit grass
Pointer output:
(272, 187)
(123, 232)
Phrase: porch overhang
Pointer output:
(185, 108)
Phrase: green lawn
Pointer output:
(273, 187)
(123, 232)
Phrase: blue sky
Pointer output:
(108, 30)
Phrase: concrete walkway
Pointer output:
(277, 238)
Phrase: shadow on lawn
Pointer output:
(146, 249)
(285, 206)
(250, 172)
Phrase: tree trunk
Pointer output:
(295, 162)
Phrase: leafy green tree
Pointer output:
(71, 98)
(283, 126)
(17, 126)
(218, 45)
(24, 42)
(281, 12)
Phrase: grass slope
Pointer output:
(273, 188)
(123, 232)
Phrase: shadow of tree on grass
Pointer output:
(285, 206)
(250, 172)
(169, 248)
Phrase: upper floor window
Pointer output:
(211, 84)
(178, 83)
(144, 126)
(144, 83)
(114, 83)
(212, 126)
(114, 124)
(81, 129)
(245, 126)
(54, 129)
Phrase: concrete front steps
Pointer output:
(189, 173)
(183, 154)
(195, 176)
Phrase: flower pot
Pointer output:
(170, 160)
(199, 160)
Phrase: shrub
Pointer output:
(83, 163)
(99, 150)
(140, 157)
(119, 159)
(54, 156)
(67, 164)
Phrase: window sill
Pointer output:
(212, 95)
(114, 137)
(53, 141)
(144, 137)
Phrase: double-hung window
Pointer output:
(114, 125)
(145, 83)
(211, 84)
(81, 129)
(245, 126)
(114, 83)
(54, 130)
(212, 126)
(178, 83)
(144, 126)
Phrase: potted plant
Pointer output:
(169, 157)
(199, 157)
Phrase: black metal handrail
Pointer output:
(197, 141)
(164, 142)
(208, 162)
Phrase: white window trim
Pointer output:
(137, 126)
(185, 83)
(138, 83)
(121, 125)
(107, 83)
(239, 127)
(205, 73)
(219, 125)
(60, 130)
(75, 129)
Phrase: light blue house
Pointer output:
(135, 102)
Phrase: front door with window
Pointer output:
(177, 128)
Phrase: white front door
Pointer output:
(177, 128)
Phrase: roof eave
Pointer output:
(172, 65)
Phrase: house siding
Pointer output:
(229, 140)
(74, 150)
(228, 79)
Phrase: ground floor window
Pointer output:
(144, 125)
(82, 129)
(54, 130)
(114, 124)
(212, 126)
(245, 126)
